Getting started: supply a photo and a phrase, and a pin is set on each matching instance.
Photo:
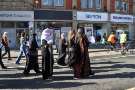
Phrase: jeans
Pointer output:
(23, 49)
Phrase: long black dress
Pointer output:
(47, 62)
(32, 62)
(1, 63)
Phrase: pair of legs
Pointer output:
(1, 63)
(7, 51)
(32, 63)
(22, 50)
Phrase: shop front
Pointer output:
(122, 23)
(95, 24)
(14, 22)
(61, 21)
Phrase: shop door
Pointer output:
(11, 36)
(18, 35)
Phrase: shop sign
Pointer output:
(52, 15)
(92, 16)
(16, 15)
(121, 18)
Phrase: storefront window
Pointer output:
(22, 25)
(8, 25)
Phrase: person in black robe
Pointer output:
(1, 63)
(32, 62)
(47, 61)
(47, 65)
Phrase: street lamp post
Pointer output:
(36, 2)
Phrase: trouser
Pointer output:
(1, 63)
(7, 50)
(22, 50)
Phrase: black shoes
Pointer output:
(4, 67)
(92, 73)
(9, 59)
(38, 72)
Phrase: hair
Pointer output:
(44, 42)
(23, 34)
(4, 34)
(49, 25)
(71, 35)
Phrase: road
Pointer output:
(111, 73)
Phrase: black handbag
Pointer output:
(61, 59)
(70, 57)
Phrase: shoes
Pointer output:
(38, 72)
(92, 73)
(75, 78)
(4, 67)
(9, 59)
(26, 73)
(17, 63)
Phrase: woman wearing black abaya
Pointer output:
(32, 62)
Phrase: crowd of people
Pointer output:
(73, 52)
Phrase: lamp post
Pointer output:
(36, 2)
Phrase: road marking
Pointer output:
(21, 66)
(131, 88)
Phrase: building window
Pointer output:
(59, 2)
(86, 4)
(98, 4)
(121, 5)
(125, 6)
(90, 3)
(47, 2)
(53, 2)
(118, 5)
(83, 3)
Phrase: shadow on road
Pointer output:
(38, 84)
(116, 75)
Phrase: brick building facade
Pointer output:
(96, 16)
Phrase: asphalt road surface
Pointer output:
(111, 73)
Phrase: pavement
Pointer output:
(93, 53)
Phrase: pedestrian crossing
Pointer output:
(131, 88)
